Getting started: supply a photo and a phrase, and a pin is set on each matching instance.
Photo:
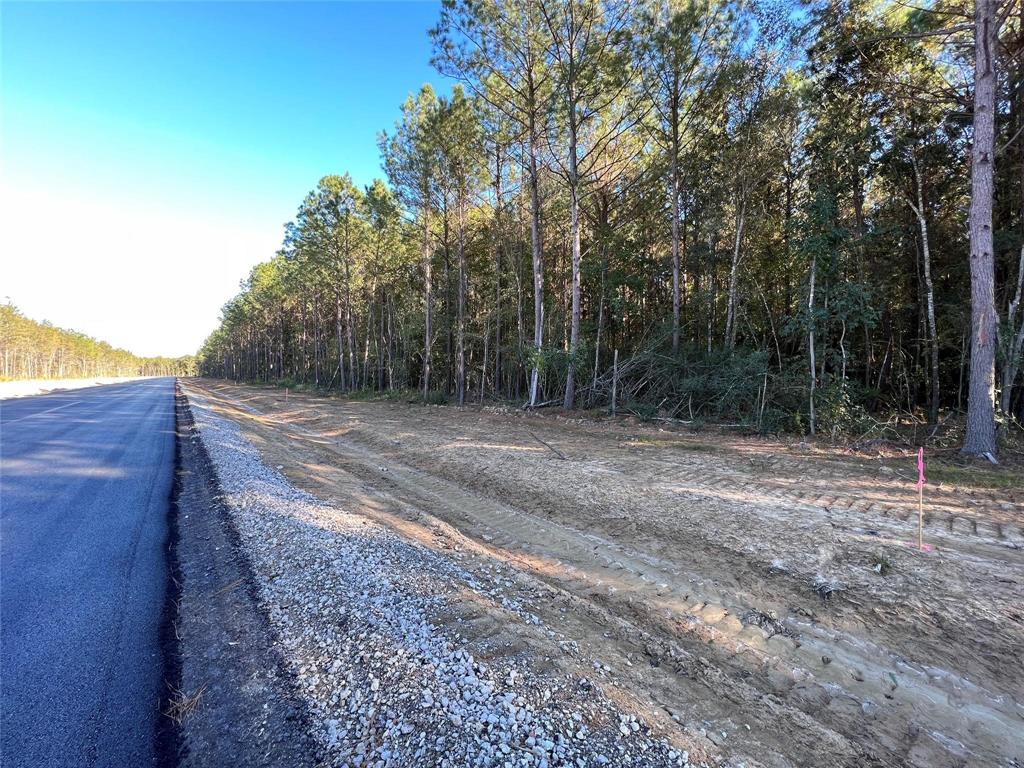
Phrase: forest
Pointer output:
(798, 217)
(32, 350)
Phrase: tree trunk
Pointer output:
(316, 342)
(538, 264)
(933, 336)
(520, 319)
(305, 342)
(712, 297)
(1016, 342)
(449, 357)
(428, 328)
(730, 314)
(980, 437)
(574, 232)
(460, 374)
(391, 344)
(810, 339)
(338, 329)
(280, 348)
(483, 363)
(675, 218)
(498, 245)
(600, 316)
(842, 352)
(364, 383)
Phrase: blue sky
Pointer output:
(152, 151)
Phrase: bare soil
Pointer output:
(752, 597)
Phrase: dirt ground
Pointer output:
(766, 597)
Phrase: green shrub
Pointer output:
(839, 411)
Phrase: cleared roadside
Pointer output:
(692, 570)
(372, 629)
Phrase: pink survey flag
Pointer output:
(920, 503)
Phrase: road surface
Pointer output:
(84, 494)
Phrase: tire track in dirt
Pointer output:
(941, 517)
(952, 625)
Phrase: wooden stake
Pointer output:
(920, 499)
(920, 518)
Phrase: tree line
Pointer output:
(796, 216)
(32, 350)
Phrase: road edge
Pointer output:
(231, 690)
(167, 737)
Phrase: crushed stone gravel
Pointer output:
(352, 604)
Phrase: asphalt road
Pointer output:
(85, 482)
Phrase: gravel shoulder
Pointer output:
(232, 701)
(728, 592)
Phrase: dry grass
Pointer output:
(228, 587)
(183, 705)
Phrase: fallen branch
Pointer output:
(554, 450)
(939, 425)
(528, 407)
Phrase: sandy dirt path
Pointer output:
(731, 587)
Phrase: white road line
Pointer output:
(40, 413)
